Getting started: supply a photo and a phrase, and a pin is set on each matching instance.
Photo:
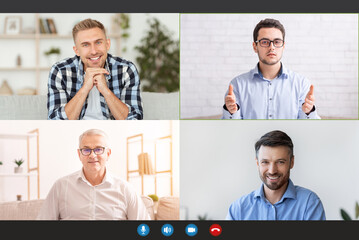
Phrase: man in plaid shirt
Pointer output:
(93, 84)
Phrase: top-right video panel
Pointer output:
(269, 66)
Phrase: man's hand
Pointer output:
(230, 100)
(309, 101)
(93, 76)
(100, 83)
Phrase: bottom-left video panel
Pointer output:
(89, 170)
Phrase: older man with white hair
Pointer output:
(93, 193)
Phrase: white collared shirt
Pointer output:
(73, 198)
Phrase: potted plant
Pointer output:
(346, 216)
(18, 162)
(158, 59)
(53, 55)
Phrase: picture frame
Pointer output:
(13, 25)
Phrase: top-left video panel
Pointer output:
(108, 66)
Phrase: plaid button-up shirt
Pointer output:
(67, 76)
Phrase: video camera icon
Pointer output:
(191, 230)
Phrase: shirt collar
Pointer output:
(282, 72)
(107, 179)
(289, 193)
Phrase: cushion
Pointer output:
(157, 106)
(149, 205)
(168, 208)
(20, 210)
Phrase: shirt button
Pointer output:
(270, 99)
(270, 115)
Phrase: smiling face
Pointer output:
(91, 46)
(269, 55)
(94, 163)
(274, 164)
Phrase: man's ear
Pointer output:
(78, 152)
(76, 50)
(257, 162)
(255, 47)
(292, 162)
(108, 43)
(109, 152)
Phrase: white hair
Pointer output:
(94, 132)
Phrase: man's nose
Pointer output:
(271, 45)
(92, 154)
(272, 168)
(93, 49)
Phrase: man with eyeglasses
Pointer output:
(270, 90)
(93, 193)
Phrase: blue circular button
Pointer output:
(191, 230)
(167, 230)
(143, 230)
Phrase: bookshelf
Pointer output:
(160, 167)
(40, 67)
(31, 171)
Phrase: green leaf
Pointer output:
(356, 210)
(345, 215)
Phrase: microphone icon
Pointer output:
(143, 230)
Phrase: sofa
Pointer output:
(167, 209)
(156, 106)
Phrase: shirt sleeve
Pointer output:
(50, 207)
(315, 210)
(56, 96)
(233, 211)
(136, 209)
(132, 95)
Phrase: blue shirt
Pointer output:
(279, 98)
(67, 76)
(297, 203)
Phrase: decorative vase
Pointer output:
(18, 169)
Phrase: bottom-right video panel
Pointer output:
(269, 170)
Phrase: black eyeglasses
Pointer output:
(97, 151)
(278, 43)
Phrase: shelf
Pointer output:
(18, 136)
(17, 174)
(17, 36)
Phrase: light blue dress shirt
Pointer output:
(297, 203)
(279, 98)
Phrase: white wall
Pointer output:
(59, 143)
(64, 24)
(218, 166)
(217, 47)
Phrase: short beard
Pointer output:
(277, 185)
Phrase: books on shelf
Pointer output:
(145, 164)
(47, 25)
